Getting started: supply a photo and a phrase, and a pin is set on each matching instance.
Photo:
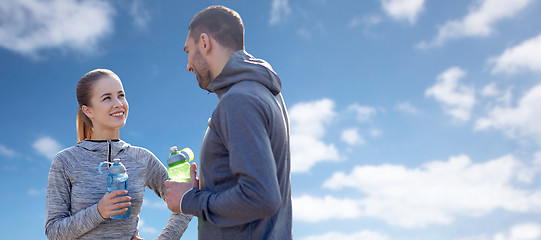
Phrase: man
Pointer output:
(245, 183)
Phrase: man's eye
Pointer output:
(121, 96)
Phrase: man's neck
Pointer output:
(220, 61)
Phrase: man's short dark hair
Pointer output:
(223, 24)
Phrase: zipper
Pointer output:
(108, 151)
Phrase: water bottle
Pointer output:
(178, 164)
(117, 179)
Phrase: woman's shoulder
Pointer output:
(66, 153)
(138, 152)
(66, 157)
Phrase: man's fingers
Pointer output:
(168, 184)
(193, 171)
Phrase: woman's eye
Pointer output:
(106, 98)
(121, 96)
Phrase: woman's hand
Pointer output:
(109, 202)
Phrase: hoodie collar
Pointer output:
(244, 67)
(102, 147)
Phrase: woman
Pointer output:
(78, 205)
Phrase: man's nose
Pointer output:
(189, 68)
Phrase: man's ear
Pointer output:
(86, 110)
(205, 43)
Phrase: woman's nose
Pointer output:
(189, 68)
(118, 103)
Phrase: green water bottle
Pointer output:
(179, 164)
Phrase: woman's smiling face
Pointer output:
(109, 108)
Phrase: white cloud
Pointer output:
(375, 133)
(519, 122)
(403, 9)
(479, 22)
(365, 21)
(146, 229)
(308, 122)
(47, 146)
(36, 192)
(523, 231)
(140, 14)
(160, 204)
(314, 209)
(434, 193)
(524, 57)
(29, 26)
(457, 99)
(4, 151)
(490, 90)
(305, 33)
(407, 107)
(279, 11)
(362, 113)
(361, 235)
(352, 137)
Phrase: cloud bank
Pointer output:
(436, 192)
(479, 22)
(31, 25)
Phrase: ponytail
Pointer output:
(84, 126)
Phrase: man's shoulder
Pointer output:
(246, 89)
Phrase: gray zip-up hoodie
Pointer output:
(75, 187)
(245, 157)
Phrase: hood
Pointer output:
(104, 148)
(244, 67)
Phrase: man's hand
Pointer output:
(175, 190)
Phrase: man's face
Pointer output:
(197, 63)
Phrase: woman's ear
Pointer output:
(87, 111)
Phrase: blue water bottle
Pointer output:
(117, 179)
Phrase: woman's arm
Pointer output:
(177, 223)
(60, 223)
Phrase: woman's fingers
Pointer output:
(116, 193)
(119, 211)
(114, 203)
(120, 199)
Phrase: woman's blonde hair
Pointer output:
(84, 94)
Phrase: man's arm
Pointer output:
(242, 125)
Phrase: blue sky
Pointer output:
(410, 119)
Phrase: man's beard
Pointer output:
(202, 71)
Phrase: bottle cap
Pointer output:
(117, 167)
(175, 156)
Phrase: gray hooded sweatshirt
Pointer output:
(245, 157)
(75, 187)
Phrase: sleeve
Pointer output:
(242, 125)
(177, 223)
(60, 224)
